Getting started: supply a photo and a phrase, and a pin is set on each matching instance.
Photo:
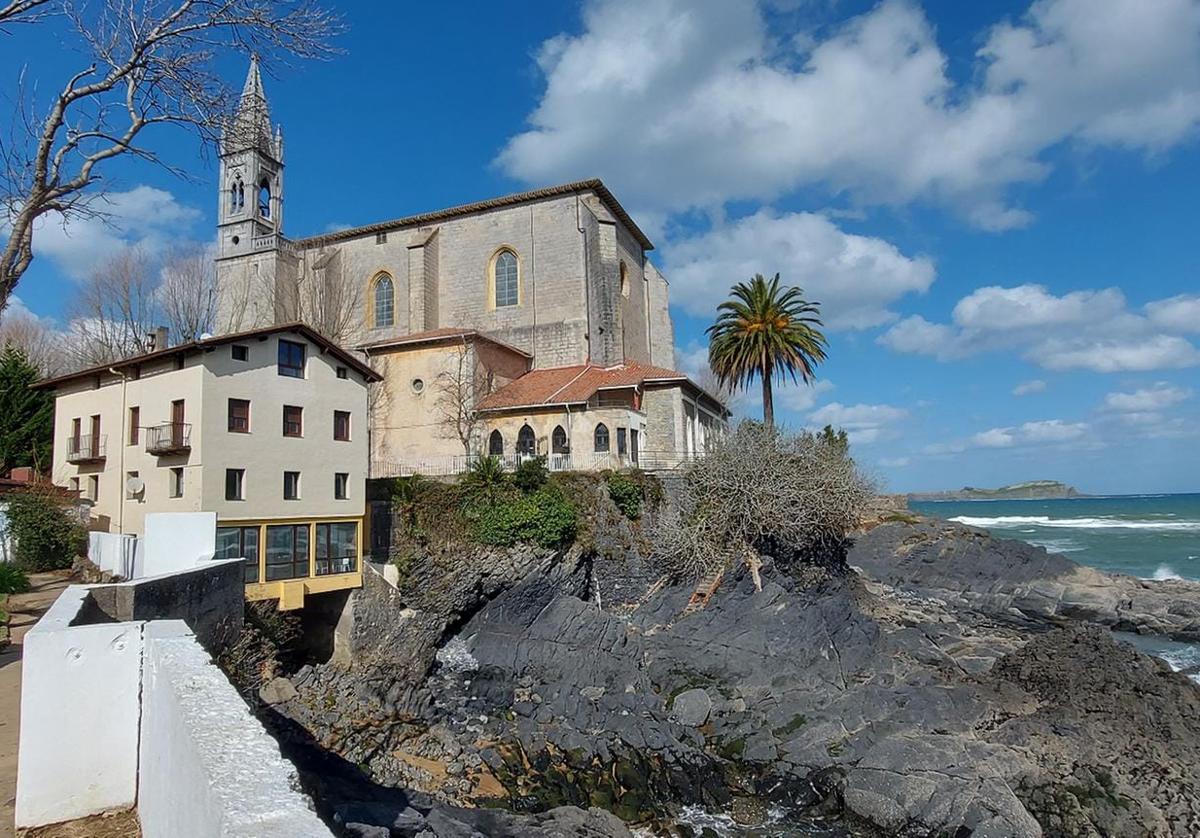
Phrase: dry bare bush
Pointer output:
(762, 491)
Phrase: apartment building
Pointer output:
(267, 428)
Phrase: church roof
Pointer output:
(576, 384)
(251, 123)
(592, 185)
(444, 335)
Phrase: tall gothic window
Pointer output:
(385, 301)
(558, 440)
(264, 198)
(496, 444)
(237, 196)
(526, 441)
(601, 438)
(506, 277)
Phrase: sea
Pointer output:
(1148, 536)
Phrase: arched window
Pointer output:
(601, 437)
(233, 187)
(264, 198)
(558, 440)
(241, 196)
(496, 444)
(506, 278)
(624, 280)
(526, 441)
(385, 301)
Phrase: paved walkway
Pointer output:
(25, 610)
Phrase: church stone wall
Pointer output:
(662, 331)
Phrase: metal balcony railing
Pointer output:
(169, 438)
(86, 449)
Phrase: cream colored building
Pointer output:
(553, 278)
(266, 428)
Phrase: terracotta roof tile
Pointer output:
(575, 384)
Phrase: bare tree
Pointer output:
(329, 300)
(459, 388)
(42, 345)
(187, 295)
(115, 311)
(148, 62)
(21, 11)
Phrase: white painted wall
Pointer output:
(177, 541)
(114, 553)
(207, 766)
(80, 689)
(121, 714)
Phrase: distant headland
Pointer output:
(1030, 490)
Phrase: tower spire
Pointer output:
(251, 126)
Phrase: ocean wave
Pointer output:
(1015, 521)
(1164, 573)
(1056, 545)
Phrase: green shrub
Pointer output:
(45, 536)
(486, 478)
(626, 494)
(406, 490)
(12, 579)
(545, 518)
(531, 475)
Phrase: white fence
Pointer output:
(450, 466)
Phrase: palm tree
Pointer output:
(765, 331)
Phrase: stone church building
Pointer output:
(529, 323)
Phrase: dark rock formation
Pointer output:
(1015, 581)
(960, 687)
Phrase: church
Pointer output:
(529, 324)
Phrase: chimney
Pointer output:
(160, 339)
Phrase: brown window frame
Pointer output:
(233, 417)
(341, 434)
(135, 419)
(284, 358)
(299, 423)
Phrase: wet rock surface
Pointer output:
(962, 687)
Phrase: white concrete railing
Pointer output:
(122, 714)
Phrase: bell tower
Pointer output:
(250, 200)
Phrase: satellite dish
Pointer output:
(135, 486)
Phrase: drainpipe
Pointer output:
(121, 443)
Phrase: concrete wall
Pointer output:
(177, 541)
(207, 767)
(80, 688)
(209, 598)
(117, 714)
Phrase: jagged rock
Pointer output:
(691, 708)
(277, 691)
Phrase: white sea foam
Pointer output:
(1015, 521)
(1165, 572)
(1056, 545)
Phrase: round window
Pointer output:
(418, 385)
(236, 240)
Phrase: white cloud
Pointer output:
(1176, 314)
(894, 462)
(1026, 388)
(1029, 434)
(143, 215)
(865, 423)
(684, 104)
(1088, 329)
(1147, 400)
(855, 278)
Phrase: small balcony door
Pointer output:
(177, 423)
(76, 434)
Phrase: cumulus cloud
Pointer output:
(144, 215)
(693, 103)
(865, 423)
(1088, 329)
(1029, 434)
(1178, 314)
(1026, 388)
(855, 278)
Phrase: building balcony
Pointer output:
(86, 449)
(169, 438)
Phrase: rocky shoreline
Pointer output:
(940, 682)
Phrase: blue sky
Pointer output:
(994, 202)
